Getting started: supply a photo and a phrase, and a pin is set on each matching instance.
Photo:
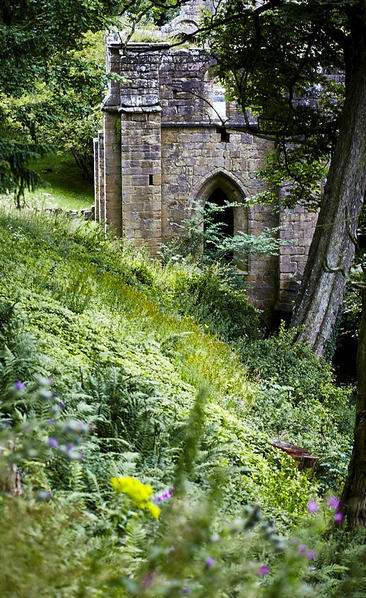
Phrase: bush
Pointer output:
(222, 309)
(288, 363)
(300, 403)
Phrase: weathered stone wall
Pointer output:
(112, 170)
(99, 206)
(189, 17)
(165, 148)
(297, 228)
(141, 178)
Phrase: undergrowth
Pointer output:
(102, 355)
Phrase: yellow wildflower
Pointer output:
(138, 493)
(154, 510)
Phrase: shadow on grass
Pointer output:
(65, 186)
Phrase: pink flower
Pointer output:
(338, 517)
(303, 548)
(311, 555)
(334, 502)
(312, 506)
(263, 570)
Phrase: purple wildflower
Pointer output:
(311, 555)
(312, 506)
(53, 442)
(61, 404)
(338, 517)
(263, 570)
(311, 568)
(51, 421)
(334, 502)
(186, 590)
(165, 495)
(303, 548)
(209, 561)
(19, 385)
(69, 446)
(293, 540)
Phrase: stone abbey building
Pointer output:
(170, 139)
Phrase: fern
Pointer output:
(76, 483)
(130, 414)
(94, 487)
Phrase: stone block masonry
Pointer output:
(164, 149)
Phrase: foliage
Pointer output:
(299, 106)
(299, 402)
(124, 364)
(15, 173)
(222, 309)
(45, 85)
(62, 112)
(202, 238)
(341, 565)
(128, 370)
(291, 170)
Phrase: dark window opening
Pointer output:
(151, 179)
(225, 136)
(221, 220)
(175, 93)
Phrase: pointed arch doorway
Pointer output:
(219, 189)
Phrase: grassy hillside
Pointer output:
(65, 186)
(93, 307)
(128, 346)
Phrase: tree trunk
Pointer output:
(332, 248)
(354, 492)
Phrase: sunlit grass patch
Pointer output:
(64, 185)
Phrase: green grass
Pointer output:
(65, 186)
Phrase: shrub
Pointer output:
(300, 402)
(222, 309)
(288, 363)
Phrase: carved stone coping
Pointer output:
(138, 46)
(207, 124)
(139, 109)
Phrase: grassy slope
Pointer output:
(92, 305)
(64, 187)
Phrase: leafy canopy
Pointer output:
(282, 61)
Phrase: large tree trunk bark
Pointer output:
(332, 249)
(354, 492)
